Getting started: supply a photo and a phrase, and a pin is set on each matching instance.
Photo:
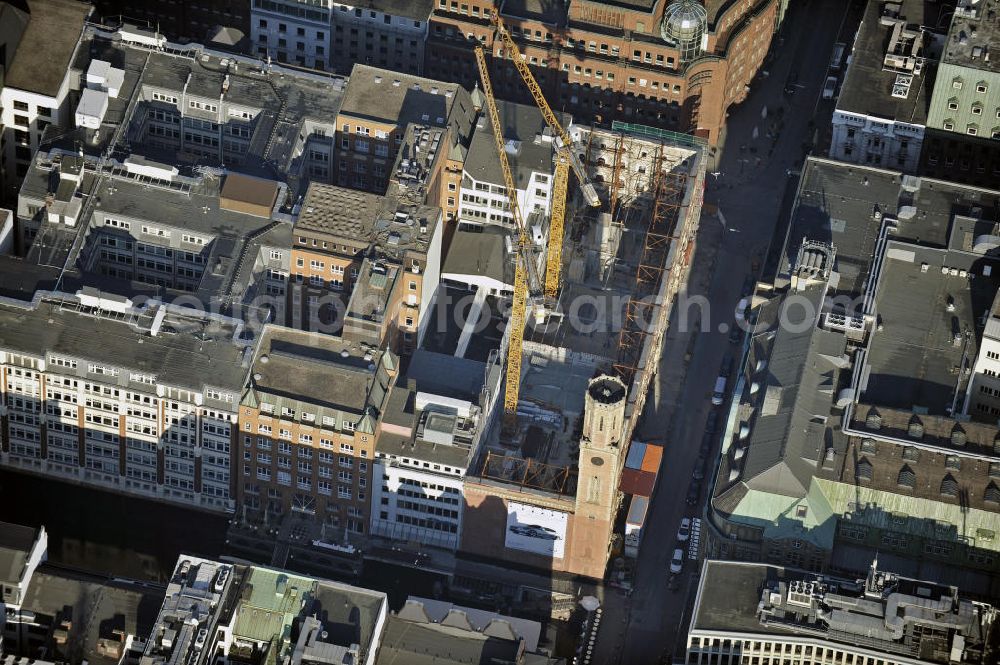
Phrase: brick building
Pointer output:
(674, 64)
(307, 425)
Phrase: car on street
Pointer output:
(684, 531)
(735, 335)
(829, 87)
(699, 469)
(719, 392)
(727, 365)
(693, 493)
(677, 561)
(712, 422)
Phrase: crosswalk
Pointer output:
(694, 540)
(588, 637)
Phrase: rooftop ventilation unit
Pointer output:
(901, 88)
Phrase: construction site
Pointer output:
(543, 486)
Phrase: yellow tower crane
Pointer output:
(523, 265)
(566, 157)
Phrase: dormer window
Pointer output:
(977, 109)
(981, 87)
(956, 83)
(953, 104)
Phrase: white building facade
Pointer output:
(81, 419)
(873, 141)
(983, 398)
(412, 502)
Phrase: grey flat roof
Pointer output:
(349, 614)
(311, 367)
(523, 124)
(196, 208)
(433, 644)
(868, 85)
(96, 605)
(15, 547)
(836, 201)
(337, 210)
(912, 360)
(175, 358)
(447, 375)
(974, 33)
(728, 595)
(397, 99)
(480, 253)
(47, 45)
(401, 412)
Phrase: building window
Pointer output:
(906, 478)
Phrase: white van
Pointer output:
(719, 393)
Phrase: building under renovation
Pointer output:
(545, 492)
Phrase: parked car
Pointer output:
(684, 531)
(699, 469)
(719, 392)
(735, 335)
(693, 493)
(727, 365)
(829, 87)
(712, 422)
(677, 561)
(838, 55)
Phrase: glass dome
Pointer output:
(683, 25)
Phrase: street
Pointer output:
(752, 185)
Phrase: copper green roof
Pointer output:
(271, 601)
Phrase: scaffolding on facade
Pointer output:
(641, 320)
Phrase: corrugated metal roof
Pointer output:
(651, 460)
(637, 511)
(639, 483)
(635, 455)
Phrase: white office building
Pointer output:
(881, 112)
(147, 411)
(36, 58)
(426, 439)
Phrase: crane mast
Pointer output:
(566, 158)
(523, 263)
